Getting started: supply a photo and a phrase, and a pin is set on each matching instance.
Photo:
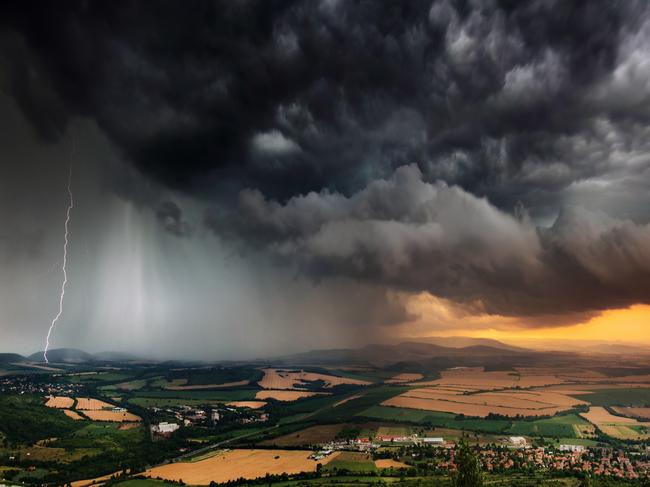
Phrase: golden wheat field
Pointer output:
(234, 464)
(295, 379)
(511, 402)
(59, 402)
(88, 404)
(599, 415)
(113, 416)
(72, 414)
(616, 426)
(247, 404)
(285, 395)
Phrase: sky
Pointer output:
(253, 178)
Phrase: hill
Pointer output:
(63, 355)
(463, 342)
(9, 358)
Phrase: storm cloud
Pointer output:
(501, 98)
(416, 236)
(491, 153)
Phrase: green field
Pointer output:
(639, 397)
(220, 395)
(558, 426)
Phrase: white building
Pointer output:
(518, 441)
(164, 428)
(434, 440)
(572, 448)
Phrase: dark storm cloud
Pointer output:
(296, 96)
(297, 118)
(416, 236)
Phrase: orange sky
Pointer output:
(438, 317)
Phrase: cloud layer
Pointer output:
(494, 154)
(415, 236)
(515, 101)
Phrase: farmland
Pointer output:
(616, 426)
(299, 379)
(233, 464)
(307, 407)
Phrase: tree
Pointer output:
(585, 481)
(468, 472)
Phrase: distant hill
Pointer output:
(62, 355)
(10, 358)
(463, 342)
(411, 352)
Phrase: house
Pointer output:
(434, 440)
(164, 428)
(572, 448)
(517, 441)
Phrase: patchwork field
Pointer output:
(234, 464)
(297, 379)
(616, 426)
(72, 414)
(506, 403)
(113, 416)
(285, 395)
(59, 402)
(89, 404)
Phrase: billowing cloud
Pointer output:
(504, 99)
(415, 236)
(491, 155)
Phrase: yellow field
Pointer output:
(207, 386)
(288, 379)
(60, 402)
(112, 416)
(233, 464)
(285, 395)
(477, 378)
(84, 404)
(389, 463)
(504, 402)
(72, 414)
(247, 404)
(404, 378)
(95, 481)
(614, 426)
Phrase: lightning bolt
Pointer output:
(65, 259)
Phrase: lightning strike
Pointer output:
(64, 262)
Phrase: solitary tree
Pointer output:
(468, 472)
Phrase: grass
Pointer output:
(558, 426)
(639, 397)
(353, 462)
(206, 396)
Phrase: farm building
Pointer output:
(164, 428)
(434, 440)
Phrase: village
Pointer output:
(511, 454)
